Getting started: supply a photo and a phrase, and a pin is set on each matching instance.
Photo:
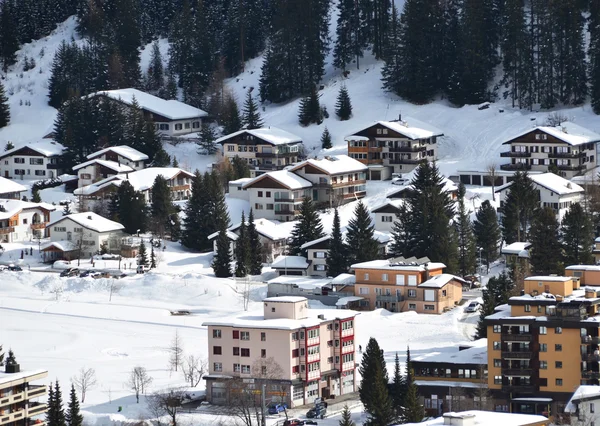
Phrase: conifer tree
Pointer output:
(231, 120)
(222, 261)
(310, 109)
(391, 72)
(594, 55)
(67, 209)
(55, 416)
(195, 226)
(398, 388)
(372, 371)
(206, 143)
(361, 245)
(240, 168)
(251, 115)
(496, 293)
(161, 206)
(256, 249)
(546, 250)
(382, 412)
(576, 236)
(242, 250)
(346, 419)
(343, 106)
(73, 417)
(152, 257)
(142, 257)
(308, 228)
(132, 208)
(467, 251)
(9, 43)
(35, 195)
(4, 108)
(413, 411)
(487, 232)
(175, 163)
(326, 139)
(218, 208)
(155, 77)
(348, 39)
(518, 208)
(9, 145)
(337, 258)
(51, 404)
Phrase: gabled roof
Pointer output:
(7, 186)
(439, 281)
(125, 151)
(449, 186)
(91, 221)
(272, 230)
(516, 247)
(285, 177)
(583, 393)
(230, 235)
(391, 265)
(291, 262)
(62, 245)
(44, 147)
(411, 129)
(392, 204)
(568, 132)
(313, 242)
(333, 165)
(551, 182)
(171, 109)
(271, 135)
(12, 207)
(113, 165)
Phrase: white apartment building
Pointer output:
(300, 354)
(385, 215)
(11, 189)
(38, 160)
(109, 162)
(584, 406)
(23, 221)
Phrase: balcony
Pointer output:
(313, 357)
(516, 354)
(8, 230)
(312, 375)
(515, 154)
(287, 200)
(12, 417)
(355, 194)
(590, 340)
(35, 391)
(347, 349)
(348, 332)
(36, 409)
(405, 160)
(566, 154)
(514, 167)
(40, 225)
(389, 298)
(287, 211)
(265, 154)
(590, 357)
(12, 399)
(348, 366)
(518, 388)
(516, 337)
(571, 167)
(407, 148)
(590, 374)
(524, 372)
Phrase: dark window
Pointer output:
(236, 351)
(263, 353)
(558, 364)
(236, 334)
(245, 352)
(558, 347)
(216, 350)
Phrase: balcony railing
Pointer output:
(389, 298)
(525, 371)
(590, 357)
(347, 332)
(516, 354)
(35, 409)
(11, 399)
(8, 230)
(286, 211)
(571, 167)
(12, 417)
(590, 340)
(35, 391)
(566, 154)
(516, 337)
(287, 200)
(515, 154)
(590, 374)
(313, 375)
(40, 225)
(518, 388)
(405, 160)
(407, 148)
(516, 166)
(347, 349)
(313, 357)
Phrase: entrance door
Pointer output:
(6, 174)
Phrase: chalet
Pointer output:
(514, 251)
(39, 160)
(178, 180)
(568, 147)
(553, 191)
(265, 149)
(291, 265)
(23, 221)
(335, 179)
(10, 189)
(109, 162)
(170, 117)
(81, 235)
(388, 147)
(385, 215)
(121, 154)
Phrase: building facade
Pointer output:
(39, 160)
(385, 215)
(17, 396)
(10, 189)
(23, 221)
(109, 162)
(298, 353)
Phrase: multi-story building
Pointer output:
(10, 189)
(265, 149)
(388, 147)
(585, 274)
(553, 191)
(109, 162)
(568, 147)
(583, 408)
(170, 117)
(23, 221)
(17, 395)
(400, 285)
(38, 160)
(300, 354)
(543, 344)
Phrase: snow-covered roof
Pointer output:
(171, 109)
(240, 181)
(516, 248)
(113, 165)
(582, 392)
(271, 135)
(232, 236)
(10, 377)
(410, 128)
(548, 278)
(556, 183)
(393, 203)
(439, 281)
(344, 279)
(286, 299)
(270, 229)
(12, 207)
(343, 301)
(313, 242)
(583, 267)
(62, 245)
(124, 151)
(334, 164)
(484, 418)
(45, 147)
(448, 185)
(303, 282)
(292, 262)
(92, 221)
(7, 186)
(382, 237)
(385, 264)
(475, 354)
(285, 177)
(568, 132)
(445, 384)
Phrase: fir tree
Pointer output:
(487, 232)
(4, 109)
(132, 208)
(175, 163)
(467, 251)
(518, 208)
(348, 38)
(206, 143)
(218, 208)
(361, 245)
(373, 372)
(594, 55)
(51, 404)
(343, 106)
(9, 43)
(546, 253)
(9, 145)
(195, 222)
(155, 76)
(346, 419)
(256, 249)
(308, 228)
(55, 416)
(413, 411)
(326, 139)
(398, 388)
(391, 72)
(496, 293)
(35, 195)
(337, 258)
(251, 115)
(231, 120)
(73, 417)
(67, 210)
(240, 168)
(152, 257)
(382, 412)
(242, 250)
(222, 261)
(310, 109)
(142, 257)
(576, 236)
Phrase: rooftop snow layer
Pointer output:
(9, 377)
(125, 151)
(347, 279)
(556, 183)
(272, 135)
(113, 165)
(548, 278)
(171, 109)
(7, 186)
(286, 299)
(10, 204)
(515, 248)
(284, 177)
(45, 147)
(583, 268)
(293, 262)
(91, 220)
(62, 245)
(484, 418)
(270, 229)
(232, 236)
(303, 282)
(334, 164)
(582, 392)
(385, 264)
(475, 354)
(411, 128)
(568, 132)
(439, 281)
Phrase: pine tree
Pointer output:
(4, 108)
(206, 143)
(496, 293)
(346, 42)
(546, 253)
(195, 222)
(414, 411)
(346, 419)
(594, 55)
(161, 206)
(251, 115)
(152, 257)
(242, 250)
(67, 209)
(9, 43)
(326, 139)
(175, 163)
(343, 106)
(391, 72)
(372, 371)
(256, 249)
(51, 404)
(467, 251)
(361, 245)
(382, 412)
(398, 388)
(222, 261)
(132, 208)
(487, 232)
(55, 415)
(35, 195)
(308, 228)
(73, 417)
(9, 145)
(337, 258)
(142, 257)
(155, 76)
(518, 208)
(218, 208)
(576, 236)
(231, 120)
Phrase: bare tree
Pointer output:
(492, 172)
(165, 404)
(84, 381)
(584, 416)
(138, 381)
(193, 368)
(556, 119)
(482, 398)
(175, 352)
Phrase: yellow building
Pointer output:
(16, 396)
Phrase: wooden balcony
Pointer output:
(40, 225)
(516, 337)
(515, 154)
(516, 354)
(514, 167)
(407, 149)
(8, 230)
(405, 160)
(35, 391)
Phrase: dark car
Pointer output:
(71, 272)
(276, 408)
(86, 274)
(293, 422)
(317, 412)
(15, 268)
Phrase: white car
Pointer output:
(472, 307)
(399, 181)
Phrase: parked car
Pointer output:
(141, 269)
(97, 275)
(86, 274)
(318, 411)
(276, 408)
(71, 272)
(14, 268)
(61, 264)
(472, 307)
(399, 181)
(294, 422)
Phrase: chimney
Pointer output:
(400, 117)
(90, 217)
(321, 317)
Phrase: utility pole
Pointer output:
(263, 404)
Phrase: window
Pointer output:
(497, 380)
(330, 360)
(387, 219)
(319, 267)
(558, 382)
(86, 176)
(558, 347)
(496, 346)
(19, 160)
(558, 330)
(498, 363)
(270, 207)
(399, 279)
(272, 309)
(295, 336)
(24, 221)
(196, 124)
(366, 277)
(319, 255)
(268, 194)
(230, 148)
(236, 334)
(314, 333)
(40, 172)
(260, 194)
(412, 306)
(245, 352)
(363, 290)
(412, 293)
(527, 308)
(258, 206)
(163, 126)
(216, 334)
(543, 330)
(592, 408)
(295, 353)
(236, 351)
(217, 366)
(384, 277)
(558, 364)
(543, 347)
(60, 229)
(543, 365)
(187, 125)
(497, 328)
(263, 353)
(236, 368)
(296, 370)
(263, 337)
(216, 350)
(429, 307)
(178, 126)
(245, 335)
(36, 161)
